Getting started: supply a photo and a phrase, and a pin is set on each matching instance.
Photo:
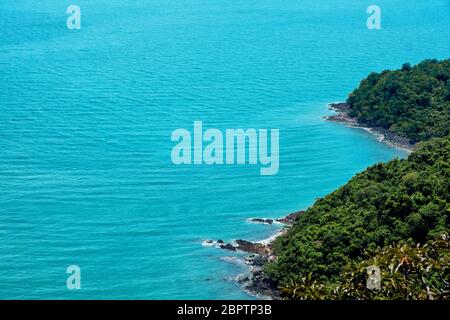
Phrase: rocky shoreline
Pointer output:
(260, 253)
(342, 109)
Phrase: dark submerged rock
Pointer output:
(262, 220)
(228, 246)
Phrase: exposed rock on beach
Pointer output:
(260, 253)
(342, 115)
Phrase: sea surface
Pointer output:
(86, 117)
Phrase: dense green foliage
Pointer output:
(413, 102)
(405, 273)
(401, 203)
(402, 200)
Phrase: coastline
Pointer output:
(259, 253)
(382, 134)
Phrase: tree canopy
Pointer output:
(405, 272)
(402, 200)
(413, 102)
(401, 203)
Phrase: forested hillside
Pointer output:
(402, 202)
(413, 102)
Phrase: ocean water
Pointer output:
(86, 117)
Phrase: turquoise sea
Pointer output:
(86, 117)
